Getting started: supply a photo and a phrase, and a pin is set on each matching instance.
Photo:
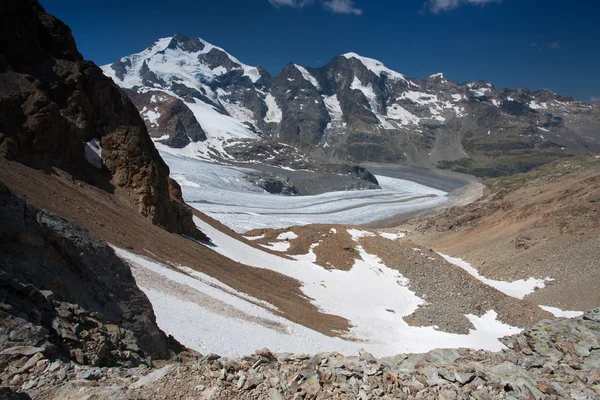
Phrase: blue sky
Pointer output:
(537, 44)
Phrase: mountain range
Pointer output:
(353, 109)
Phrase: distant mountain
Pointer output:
(352, 109)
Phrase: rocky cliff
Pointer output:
(59, 111)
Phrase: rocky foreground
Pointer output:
(556, 359)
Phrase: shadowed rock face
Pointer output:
(52, 102)
(49, 264)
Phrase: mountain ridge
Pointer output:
(356, 109)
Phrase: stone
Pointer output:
(275, 394)
(154, 376)
(518, 378)
(592, 315)
(311, 386)
(365, 356)
(241, 382)
(31, 362)
(22, 351)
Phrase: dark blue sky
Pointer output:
(513, 43)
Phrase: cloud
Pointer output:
(595, 100)
(541, 46)
(342, 7)
(290, 3)
(335, 6)
(435, 6)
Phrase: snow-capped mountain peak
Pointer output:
(180, 59)
(376, 66)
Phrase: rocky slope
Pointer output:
(352, 109)
(65, 294)
(59, 111)
(556, 359)
(545, 222)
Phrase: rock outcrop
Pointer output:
(61, 111)
(65, 291)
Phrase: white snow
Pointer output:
(197, 309)
(427, 100)
(392, 236)
(93, 153)
(254, 237)
(151, 115)
(518, 289)
(274, 113)
(217, 125)
(277, 246)
(175, 65)
(252, 73)
(287, 236)
(534, 105)
(557, 312)
(239, 112)
(543, 129)
(168, 63)
(457, 97)
(376, 67)
(306, 75)
(357, 234)
(335, 112)
(397, 112)
(372, 100)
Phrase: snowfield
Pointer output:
(198, 310)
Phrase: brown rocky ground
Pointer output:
(545, 223)
(449, 291)
(556, 359)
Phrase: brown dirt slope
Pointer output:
(544, 223)
(117, 221)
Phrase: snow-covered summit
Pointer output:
(376, 66)
(177, 59)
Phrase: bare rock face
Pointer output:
(169, 119)
(68, 287)
(52, 103)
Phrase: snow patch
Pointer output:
(332, 104)
(277, 246)
(557, 312)
(392, 236)
(93, 153)
(517, 289)
(376, 67)
(287, 236)
(306, 75)
(357, 234)
(274, 113)
(254, 237)
(537, 106)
